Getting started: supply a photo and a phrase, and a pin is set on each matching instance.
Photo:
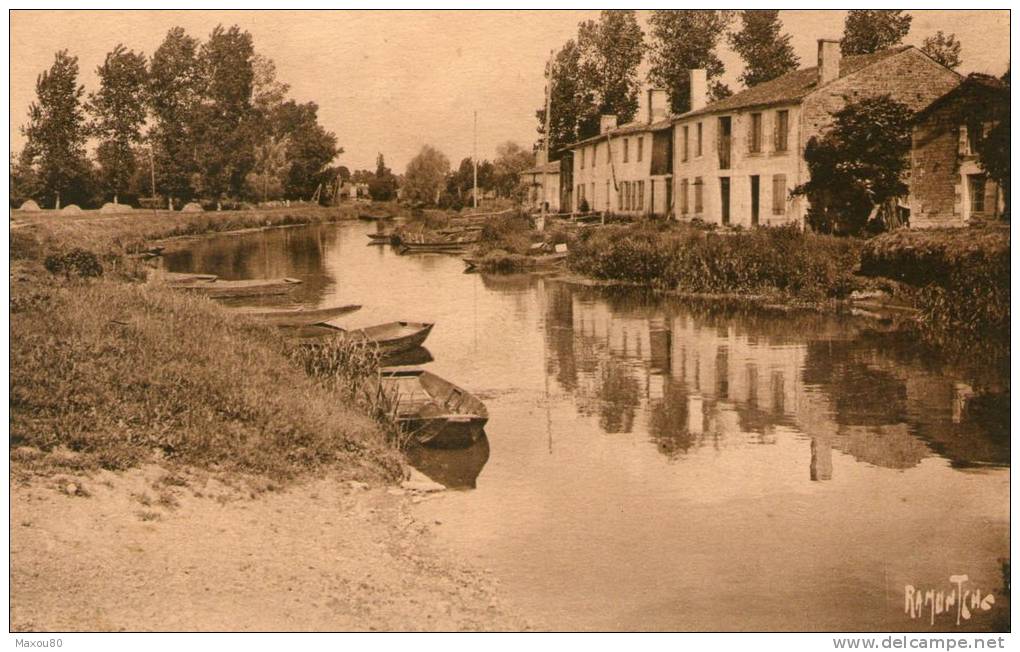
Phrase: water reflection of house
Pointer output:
(710, 379)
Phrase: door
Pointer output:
(755, 194)
(725, 139)
(724, 198)
(669, 196)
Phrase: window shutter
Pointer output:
(963, 143)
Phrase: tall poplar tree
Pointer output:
(118, 114)
(766, 51)
(870, 30)
(57, 131)
(683, 40)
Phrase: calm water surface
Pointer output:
(652, 464)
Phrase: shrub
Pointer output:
(78, 262)
(762, 261)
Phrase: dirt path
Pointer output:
(142, 551)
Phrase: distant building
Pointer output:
(947, 185)
(626, 169)
(736, 160)
(532, 178)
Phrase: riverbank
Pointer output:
(174, 467)
(156, 550)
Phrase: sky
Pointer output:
(392, 81)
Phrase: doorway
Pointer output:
(755, 194)
(724, 196)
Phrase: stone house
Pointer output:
(626, 169)
(736, 160)
(533, 178)
(947, 185)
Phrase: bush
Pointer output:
(77, 262)
(764, 261)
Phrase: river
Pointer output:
(652, 464)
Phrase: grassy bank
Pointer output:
(112, 235)
(110, 373)
(961, 281)
(781, 263)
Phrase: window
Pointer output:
(626, 195)
(976, 186)
(684, 206)
(640, 196)
(594, 158)
(626, 150)
(685, 147)
(591, 203)
(782, 130)
(619, 197)
(754, 137)
(609, 198)
(697, 143)
(640, 148)
(582, 156)
(778, 194)
(699, 206)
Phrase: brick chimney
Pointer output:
(828, 60)
(606, 123)
(699, 88)
(657, 99)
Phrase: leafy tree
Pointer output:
(993, 147)
(857, 165)
(426, 175)
(118, 110)
(56, 132)
(309, 149)
(25, 182)
(943, 48)
(610, 54)
(511, 160)
(870, 30)
(382, 186)
(226, 119)
(175, 91)
(683, 40)
(571, 102)
(766, 51)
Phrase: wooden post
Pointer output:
(152, 173)
(474, 160)
(548, 138)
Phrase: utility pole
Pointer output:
(548, 134)
(152, 171)
(474, 159)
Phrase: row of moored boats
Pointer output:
(435, 411)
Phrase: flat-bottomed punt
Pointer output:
(433, 410)
(220, 289)
(294, 317)
(388, 338)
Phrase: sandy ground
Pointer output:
(130, 551)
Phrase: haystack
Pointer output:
(192, 207)
(110, 207)
(71, 208)
(30, 206)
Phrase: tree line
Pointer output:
(597, 72)
(195, 120)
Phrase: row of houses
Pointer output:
(735, 161)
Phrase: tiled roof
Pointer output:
(629, 128)
(973, 83)
(552, 167)
(793, 86)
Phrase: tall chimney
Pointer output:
(828, 60)
(606, 123)
(656, 104)
(699, 88)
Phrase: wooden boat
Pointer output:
(380, 238)
(532, 262)
(419, 355)
(179, 278)
(220, 289)
(435, 411)
(293, 317)
(389, 338)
